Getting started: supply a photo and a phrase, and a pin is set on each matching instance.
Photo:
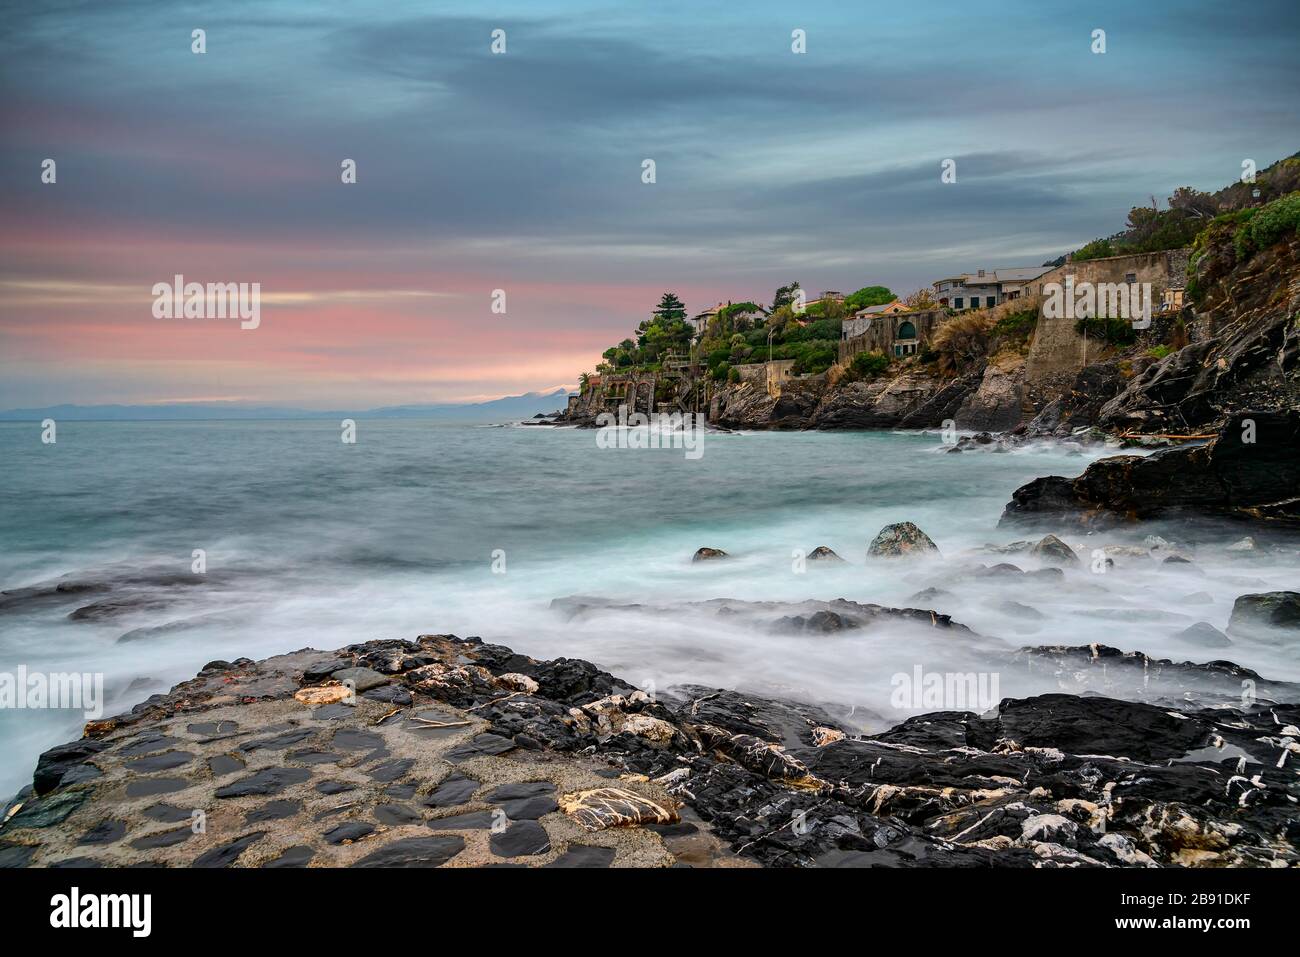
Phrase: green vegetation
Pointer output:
(868, 296)
(1189, 211)
(1270, 224)
(1112, 331)
(868, 365)
(1016, 326)
(1159, 352)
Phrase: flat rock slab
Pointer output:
(469, 821)
(363, 679)
(456, 789)
(525, 801)
(521, 839)
(265, 782)
(415, 852)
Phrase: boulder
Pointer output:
(1203, 635)
(1266, 614)
(708, 554)
(1050, 550)
(901, 538)
(823, 554)
(1250, 470)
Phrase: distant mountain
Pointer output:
(496, 410)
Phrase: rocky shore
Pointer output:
(451, 752)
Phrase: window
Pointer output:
(1130, 278)
(990, 300)
(959, 303)
(906, 330)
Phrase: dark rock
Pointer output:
(1050, 550)
(16, 855)
(708, 554)
(170, 838)
(298, 856)
(902, 538)
(391, 770)
(148, 787)
(1266, 615)
(334, 787)
(227, 854)
(395, 815)
(522, 839)
(1204, 635)
(455, 789)
(478, 745)
(56, 762)
(348, 832)
(822, 554)
(1257, 480)
(584, 855)
(49, 810)
(415, 852)
(107, 831)
(273, 811)
(363, 679)
(160, 762)
(167, 813)
(268, 781)
(355, 739)
(469, 821)
(223, 764)
(525, 801)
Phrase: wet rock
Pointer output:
(584, 855)
(901, 539)
(329, 788)
(525, 801)
(391, 770)
(708, 554)
(1050, 550)
(599, 808)
(148, 787)
(273, 811)
(522, 839)
(298, 856)
(105, 832)
(1016, 610)
(56, 762)
(228, 853)
(167, 813)
(469, 821)
(16, 855)
(160, 762)
(268, 781)
(1257, 480)
(1267, 615)
(456, 789)
(396, 815)
(362, 679)
(823, 554)
(223, 764)
(480, 744)
(929, 596)
(1204, 635)
(49, 810)
(159, 839)
(414, 852)
(348, 832)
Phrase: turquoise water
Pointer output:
(309, 541)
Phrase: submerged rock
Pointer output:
(1204, 635)
(823, 554)
(1052, 551)
(1267, 615)
(902, 538)
(708, 554)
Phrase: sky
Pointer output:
(522, 171)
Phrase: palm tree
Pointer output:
(583, 381)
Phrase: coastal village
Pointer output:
(890, 335)
(981, 349)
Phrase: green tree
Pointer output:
(670, 309)
(868, 296)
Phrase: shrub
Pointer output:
(962, 339)
(1112, 331)
(1159, 352)
(868, 365)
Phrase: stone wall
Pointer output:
(878, 333)
(1057, 352)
